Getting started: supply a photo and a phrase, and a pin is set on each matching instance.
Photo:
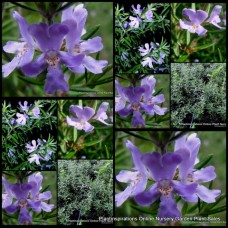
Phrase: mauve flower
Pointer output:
(162, 169)
(32, 147)
(149, 15)
(188, 148)
(137, 179)
(35, 180)
(7, 196)
(120, 99)
(36, 112)
(83, 114)
(35, 157)
(214, 18)
(24, 107)
(137, 10)
(24, 49)
(147, 49)
(101, 113)
(21, 118)
(49, 39)
(134, 22)
(196, 18)
(21, 193)
(74, 19)
(148, 61)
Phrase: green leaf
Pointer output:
(184, 208)
(70, 154)
(214, 211)
(182, 58)
(205, 46)
(90, 33)
(144, 210)
(31, 80)
(204, 162)
(75, 134)
(92, 143)
(220, 55)
(80, 89)
(137, 136)
(188, 38)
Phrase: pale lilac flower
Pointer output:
(162, 169)
(35, 157)
(49, 39)
(161, 59)
(214, 18)
(147, 49)
(21, 118)
(36, 112)
(24, 49)
(149, 15)
(83, 116)
(101, 113)
(196, 18)
(32, 147)
(137, 179)
(188, 148)
(134, 22)
(24, 107)
(74, 19)
(148, 61)
(126, 24)
(120, 99)
(22, 203)
(137, 10)
(7, 196)
(35, 180)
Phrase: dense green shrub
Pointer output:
(198, 95)
(85, 191)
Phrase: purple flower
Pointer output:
(149, 15)
(196, 18)
(35, 180)
(148, 61)
(137, 10)
(134, 22)
(24, 50)
(22, 203)
(162, 169)
(24, 107)
(74, 19)
(7, 196)
(32, 147)
(36, 112)
(149, 104)
(147, 49)
(101, 113)
(49, 39)
(188, 148)
(214, 18)
(35, 157)
(120, 99)
(126, 24)
(83, 116)
(21, 118)
(137, 179)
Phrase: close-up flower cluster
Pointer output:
(27, 198)
(55, 47)
(198, 32)
(85, 129)
(29, 134)
(141, 35)
(139, 101)
(160, 179)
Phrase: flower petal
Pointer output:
(160, 111)
(35, 205)
(201, 30)
(13, 46)
(87, 127)
(48, 37)
(102, 108)
(197, 16)
(207, 195)
(84, 113)
(137, 119)
(8, 68)
(140, 186)
(35, 68)
(78, 69)
(125, 111)
(205, 174)
(121, 197)
(148, 83)
(92, 45)
(126, 176)
(134, 94)
(21, 190)
(158, 99)
(55, 81)
(93, 65)
(71, 60)
(24, 216)
(214, 13)
(12, 208)
(148, 197)
(26, 57)
(47, 207)
(168, 208)
(183, 189)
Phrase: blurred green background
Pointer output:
(162, 85)
(99, 13)
(49, 184)
(212, 142)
